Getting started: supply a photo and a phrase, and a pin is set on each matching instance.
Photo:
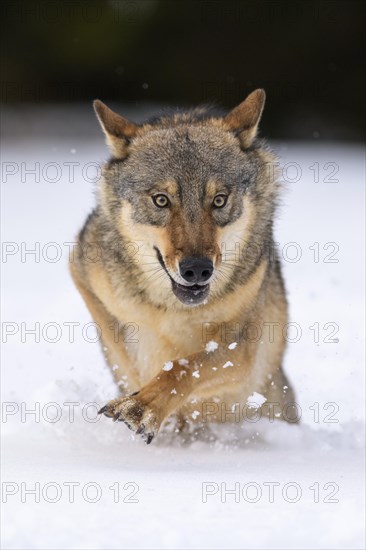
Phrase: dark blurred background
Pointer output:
(308, 55)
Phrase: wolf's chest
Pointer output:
(157, 341)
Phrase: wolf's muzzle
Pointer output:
(196, 270)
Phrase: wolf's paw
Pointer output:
(138, 417)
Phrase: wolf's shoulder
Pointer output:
(95, 227)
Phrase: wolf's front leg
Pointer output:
(144, 411)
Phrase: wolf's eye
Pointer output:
(161, 201)
(219, 201)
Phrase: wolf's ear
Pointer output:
(118, 130)
(244, 119)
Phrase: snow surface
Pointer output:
(175, 493)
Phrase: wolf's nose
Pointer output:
(196, 270)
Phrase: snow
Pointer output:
(211, 346)
(232, 345)
(244, 485)
(256, 400)
(168, 365)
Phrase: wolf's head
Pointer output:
(192, 191)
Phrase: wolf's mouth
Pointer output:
(188, 294)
